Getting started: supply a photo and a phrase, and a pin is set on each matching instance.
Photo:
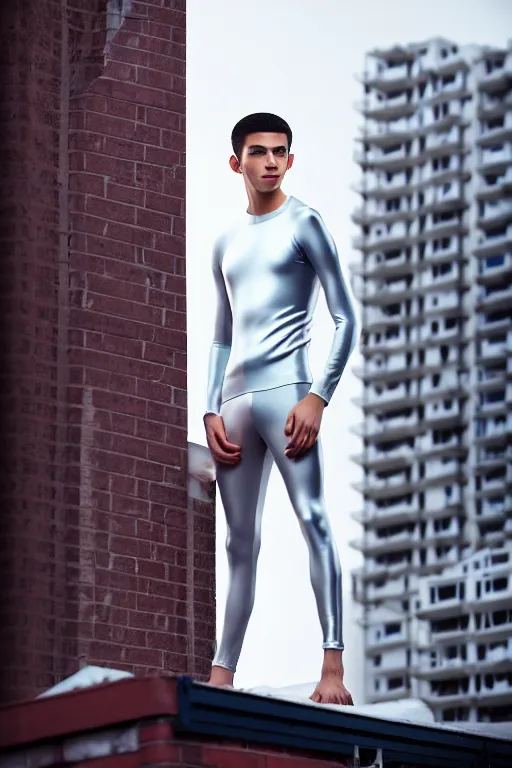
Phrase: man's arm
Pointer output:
(222, 450)
(316, 244)
(221, 344)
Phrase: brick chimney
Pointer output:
(106, 558)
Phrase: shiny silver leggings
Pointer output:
(256, 422)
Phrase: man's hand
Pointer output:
(222, 450)
(303, 425)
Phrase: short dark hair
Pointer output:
(259, 122)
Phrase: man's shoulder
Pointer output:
(302, 212)
(224, 236)
(306, 220)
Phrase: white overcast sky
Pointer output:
(298, 59)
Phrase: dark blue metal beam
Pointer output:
(228, 714)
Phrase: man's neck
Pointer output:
(260, 204)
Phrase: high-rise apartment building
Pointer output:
(435, 282)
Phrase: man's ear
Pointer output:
(291, 158)
(235, 165)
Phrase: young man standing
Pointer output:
(263, 404)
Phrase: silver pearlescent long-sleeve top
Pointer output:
(267, 271)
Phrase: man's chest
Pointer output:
(254, 257)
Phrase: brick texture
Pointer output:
(155, 745)
(94, 521)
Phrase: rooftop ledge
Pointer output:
(215, 714)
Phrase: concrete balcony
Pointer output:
(455, 225)
(492, 272)
(489, 510)
(374, 545)
(494, 435)
(443, 122)
(374, 430)
(490, 106)
(495, 158)
(491, 300)
(385, 642)
(385, 133)
(379, 158)
(376, 212)
(450, 281)
(454, 636)
(378, 516)
(440, 669)
(491, 601)
(380, 188)
(389, 78)
(387, 346)
(448, 384)
(441, 417)
(449, 535)
(490, 406)
(498, 79)
(489, 348)
(425, 445)
(374, 486)
(386, 108)
(403, 692)
(378, 265)
(495, 212)
(437, 470)
(500, 691)
(441, 254)
(390, 590)
(427, 338)
(493, 244)
(437, 199)
(375, 405)
(491, 134)
(494, 632)
(448, 699)
(499, 187)
(447, 141)
(439, 304)
(486, 329)
(490, 458)
(453, 62)
(401, 456)
(385, 292)
(489, 487)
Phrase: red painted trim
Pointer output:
(87, 709)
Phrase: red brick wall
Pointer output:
(31, 566)
(94, 491)
(153, 743)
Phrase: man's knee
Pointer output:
(242, 547)
(316, 526)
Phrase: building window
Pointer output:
(447, 592)
(395, 682)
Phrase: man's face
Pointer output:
(265, 160)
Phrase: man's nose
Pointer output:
(270, 160)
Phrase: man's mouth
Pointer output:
(271, 176)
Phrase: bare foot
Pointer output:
(221, 677)
(330, 690)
